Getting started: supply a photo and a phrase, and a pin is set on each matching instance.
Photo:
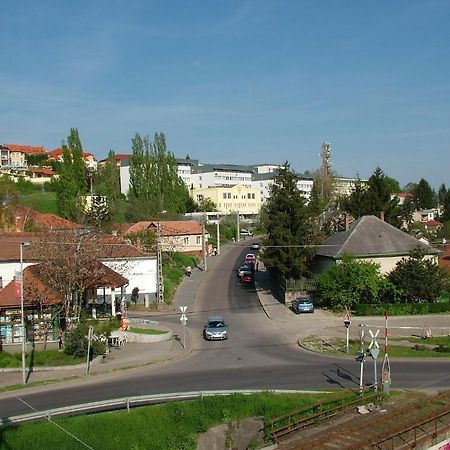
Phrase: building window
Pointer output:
(186, 241)
(224, 195)
(199, 240)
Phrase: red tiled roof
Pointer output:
(168, 227)
(432, 223)
(35, 291)
(42, 221)
(118, 157)
(57, 153)
(444, 260)
(42, 171)
(107, 247)
(27, 149)
(403, 194)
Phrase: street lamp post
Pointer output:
(22, 315)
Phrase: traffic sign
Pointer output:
(374, 352)
(183, 319)
(183, 309)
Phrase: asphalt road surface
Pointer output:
(257, 355)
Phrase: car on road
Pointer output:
(250, 258)
(215, 329)
(303, 305)
(245, 268)
(247, 278)
(245, 233)
(255, 246)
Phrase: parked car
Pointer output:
(245, 268)
(245, 233)
(303, 305)
(250, 258)
(215, 329)
(247, 278)
(255, 246)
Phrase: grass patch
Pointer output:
(337, 346)
(46, 358)
(146, 331)
(42, 201)
(174, 271)
(159, 427)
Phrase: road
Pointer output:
(257, 355)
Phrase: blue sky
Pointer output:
(240, 82)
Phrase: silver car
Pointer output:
(215, 329)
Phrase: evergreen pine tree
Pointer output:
(425, 196)
(288, 227)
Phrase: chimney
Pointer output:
(382, 215)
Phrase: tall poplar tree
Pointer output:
(71, 186)
(155, 186)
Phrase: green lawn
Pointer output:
(158, 427)
(48, 358)
(145, 330)
(42, 201)
(337, 346)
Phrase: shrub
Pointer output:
(401, 309)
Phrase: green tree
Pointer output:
(446, 207)
(425, 197)
(350, 283)
(206, 205)
(155, 186)
(107, 184)
(442, 194)
(374, 199)
(286, 221)
(394, 185)
(356, 203)
(71, 185)
(419, 278)
(8, 197)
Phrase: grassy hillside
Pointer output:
(42, 201)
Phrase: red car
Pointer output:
(250, 258)
(247, 278)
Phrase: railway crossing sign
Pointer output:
(374, 348)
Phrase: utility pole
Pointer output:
(326, 170)
(238, 232)
(218, 235)
(386, 368)
(159, 274)
(204, 242)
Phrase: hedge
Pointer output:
(401, 309)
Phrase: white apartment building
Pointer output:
(264, 181)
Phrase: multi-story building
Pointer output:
(211, 175)
(264, 180)
(229, 199)
(89, 158)
(11, 159)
